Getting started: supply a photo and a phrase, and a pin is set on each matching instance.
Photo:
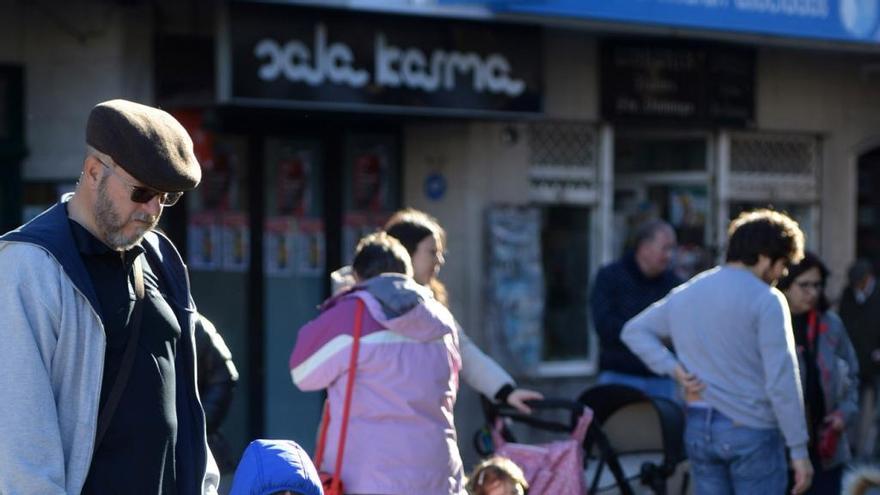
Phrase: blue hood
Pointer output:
(270, 466)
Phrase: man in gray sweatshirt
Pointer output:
(735, 359)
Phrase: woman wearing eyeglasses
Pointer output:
(829, 371)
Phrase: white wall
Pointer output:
(481, 168)
(75, 54)
(836, 95)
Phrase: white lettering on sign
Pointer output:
(293, 61)
(394, 67)
(801, 8)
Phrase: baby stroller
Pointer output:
(553, 468)
(633, 437)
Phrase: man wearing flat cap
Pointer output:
(97, 362)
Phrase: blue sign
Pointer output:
(836, 20)
(435, 186)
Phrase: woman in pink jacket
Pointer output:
(425, 241)
(401, 436)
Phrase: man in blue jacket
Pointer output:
(622, 290)
(97, 366)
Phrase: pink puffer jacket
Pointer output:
(401, 435)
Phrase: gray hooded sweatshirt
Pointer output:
(52, 360)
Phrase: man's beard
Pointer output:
(111, 226)
(767, 276)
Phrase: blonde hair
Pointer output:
(494, 470)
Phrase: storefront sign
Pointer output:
(645, 81)
(837, 20)
(294, 56)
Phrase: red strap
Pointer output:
(322, 436)
(346, 407)
(811, 328)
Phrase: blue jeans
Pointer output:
(730, 458)
(654, 386)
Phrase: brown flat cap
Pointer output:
(148, 143)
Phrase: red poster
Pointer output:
(294, 180)
(368, 174)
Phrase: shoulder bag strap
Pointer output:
(346, 407)
(134, 326)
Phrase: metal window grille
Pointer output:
(562, 143)
(563, 158)
(774, 154)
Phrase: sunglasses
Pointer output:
(140, 194)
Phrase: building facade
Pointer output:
(538, 137)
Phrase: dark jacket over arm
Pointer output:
(620, 292)
(217, 373)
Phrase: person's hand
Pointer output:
(875, 355)
(519, 396)
(693, 387)
(835, 420)
(803, 475)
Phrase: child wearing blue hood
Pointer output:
(271, 467)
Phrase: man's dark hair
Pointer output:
(646, 231)
(764, 232)
(811, 260)
(860, 269)
(380, 253)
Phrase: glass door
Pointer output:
(665, 175)
(370, 187)
(217, 253)
(294, 259)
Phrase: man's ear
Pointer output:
(92, 170)
(764, 262)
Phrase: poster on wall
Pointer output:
(309, 248)
(688, 211)
(222, 174)
(515, 313)
(203, 242)
(369, 173)
(688, 207)
(236, 242)
(355, 226)
(203, 140)
(278, 246)
(293, 184)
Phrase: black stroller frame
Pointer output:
(604, 400)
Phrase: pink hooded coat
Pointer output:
(401, 435)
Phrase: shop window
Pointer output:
(664, 174)
(639, 154)
(779, 171)
(563, 161)
(565, 256)
(541, 257)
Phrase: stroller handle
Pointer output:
(493, 410)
